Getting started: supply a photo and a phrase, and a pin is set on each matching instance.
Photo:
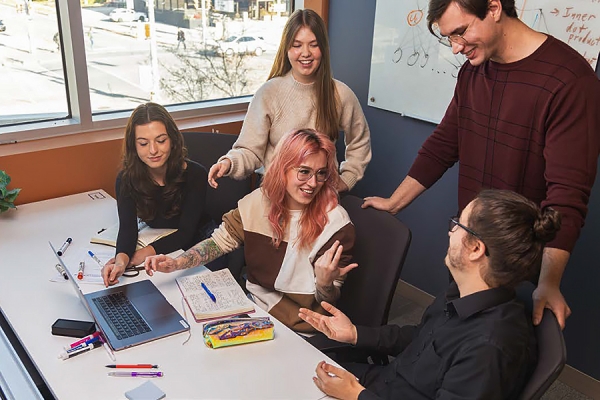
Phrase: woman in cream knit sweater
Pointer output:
(300, 93)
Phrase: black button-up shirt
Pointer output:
(480, 346)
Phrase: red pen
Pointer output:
(132, 366)
(82, 340)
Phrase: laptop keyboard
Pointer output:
(124, 320)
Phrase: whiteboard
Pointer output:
(412, 74)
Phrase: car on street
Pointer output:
(246, 44)
(127, 15)
(2, 26)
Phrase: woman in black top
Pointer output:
(160, 186)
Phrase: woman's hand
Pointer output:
(326, 266)
(140, 256)
(114, 268)
(160, 263)
(217, 171)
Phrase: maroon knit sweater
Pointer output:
(532, 126)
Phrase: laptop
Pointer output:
(130, 314)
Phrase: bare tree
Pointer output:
(203, 74)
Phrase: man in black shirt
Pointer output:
(473, 342)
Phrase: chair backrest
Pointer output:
(380, 249)
(206, 148)
(552, 352)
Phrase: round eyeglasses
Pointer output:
(456, 38)
(304, 174)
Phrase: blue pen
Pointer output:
(95, 258)
(212, 296)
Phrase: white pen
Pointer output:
(95, 258)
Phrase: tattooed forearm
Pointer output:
(329, 293)
(202, 253)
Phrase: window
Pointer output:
(108, 57)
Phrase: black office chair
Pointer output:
(552, 352)
(382, 242)
(206, 148)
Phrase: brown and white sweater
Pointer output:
(282, 279)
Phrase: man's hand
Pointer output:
(404, 194)
(217, 171)
(326, 266)
(342, 385)
(342, 187)
(380, 203)
(114, 268)
(160, 263)
(337, 327)
(549, 296)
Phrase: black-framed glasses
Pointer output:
(456, 38)
(453, 223)
(304, 174)
(132, 272)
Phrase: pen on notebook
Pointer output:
(136, 374)
(61, 271)
(133, 366)
(212, 296)
(82, 340)
(80, 272)
(95, 258)
(63, 248)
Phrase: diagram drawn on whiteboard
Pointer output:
(414, 75)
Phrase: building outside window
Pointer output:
(66, 60)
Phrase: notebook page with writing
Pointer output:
(230, 298)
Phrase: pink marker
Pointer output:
(82, 340)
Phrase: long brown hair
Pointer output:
(327, 96)
(135, 178)
(290, 152)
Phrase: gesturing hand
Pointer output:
(160, 263)
(337, 327)
(326, 266)
(217, 171)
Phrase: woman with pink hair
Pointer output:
(297, 238)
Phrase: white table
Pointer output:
(277, 369)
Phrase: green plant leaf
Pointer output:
(6, 205)
(11, 195)
(4, 179)
(3, 192)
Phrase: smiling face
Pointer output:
(299, 194)
(305, 56)
(153, 146)
(478, 42)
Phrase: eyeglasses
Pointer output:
(304, 174)
(457, 38)
(453, 223)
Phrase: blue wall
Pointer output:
(395, 142)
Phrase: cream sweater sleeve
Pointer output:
(356, 135)
(248, 152)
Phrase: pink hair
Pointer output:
(290, 152)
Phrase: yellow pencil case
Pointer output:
(233, 331)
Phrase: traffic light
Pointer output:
(147, 30)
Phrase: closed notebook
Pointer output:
(146, 235)
(234, 331)
(230, 299)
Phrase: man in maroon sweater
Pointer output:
(524, 117)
